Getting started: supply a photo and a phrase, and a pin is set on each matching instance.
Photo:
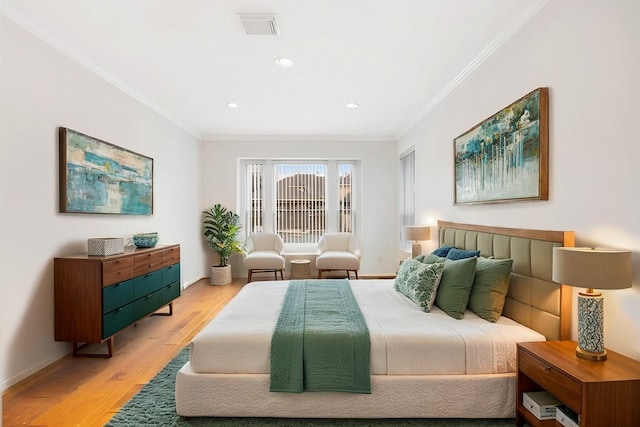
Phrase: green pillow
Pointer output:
(455, 286)
(431, 258)
(419, 282)
(490, 287)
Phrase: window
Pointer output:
(407, 193)
(254, 191)
(300, 200)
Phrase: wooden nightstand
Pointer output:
(604, 393)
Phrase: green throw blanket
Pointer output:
(321, 341)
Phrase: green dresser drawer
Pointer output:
(170, 292)
(148, 304)
(170, 274)
(117, 295)
(148, 283)
(117, 319)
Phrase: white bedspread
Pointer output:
(404, 339)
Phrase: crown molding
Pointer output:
(522, 18)
(299, 138)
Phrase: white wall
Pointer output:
(40, 90)
(587, 53)
(379, 162)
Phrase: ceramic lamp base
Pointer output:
(591, 326)
(590, 355)
(416, 250)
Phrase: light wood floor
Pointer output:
(88, 391)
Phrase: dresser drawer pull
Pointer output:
(546, 368)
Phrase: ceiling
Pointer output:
(187, 59)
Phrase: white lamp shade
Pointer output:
(592, 268)
(417, 232)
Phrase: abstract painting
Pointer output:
(99, 177)
(505, 158)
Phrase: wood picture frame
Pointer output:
(505, 158)
(98, 177)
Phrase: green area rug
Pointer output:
(155, 405)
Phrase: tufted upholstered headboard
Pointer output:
(533, 299)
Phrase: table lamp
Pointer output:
(417, 233)
(591, 269)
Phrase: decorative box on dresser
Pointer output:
(603, 393)
(97, 296)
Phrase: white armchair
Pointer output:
(338, 251)
(265, 252)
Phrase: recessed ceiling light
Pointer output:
(283, 62)
(352, 105)
(232, 105)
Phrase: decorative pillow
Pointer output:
(455, 253)
(419, 282)
(455, 286)
(431, 258)
(490, 287)
(442, 251)
(421, 259)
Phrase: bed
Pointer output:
(463, 369)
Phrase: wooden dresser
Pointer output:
(97, 296)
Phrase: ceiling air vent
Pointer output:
(259, 24)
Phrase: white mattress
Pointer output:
(404, 339)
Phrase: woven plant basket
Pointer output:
(221, 275)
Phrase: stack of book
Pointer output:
(542, 404)
(567, 417)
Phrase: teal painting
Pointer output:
(99, 177)
(505, 158)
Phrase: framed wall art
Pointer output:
(505, 158)
(102, 178)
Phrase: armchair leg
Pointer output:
(281, 275)
(249, 275)
(348, 273)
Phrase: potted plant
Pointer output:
(220, 228)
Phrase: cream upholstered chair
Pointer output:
(338, 251)
(265, 252)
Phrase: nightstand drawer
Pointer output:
(551, 379)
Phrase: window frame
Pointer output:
(332, 195)
(406, 192)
